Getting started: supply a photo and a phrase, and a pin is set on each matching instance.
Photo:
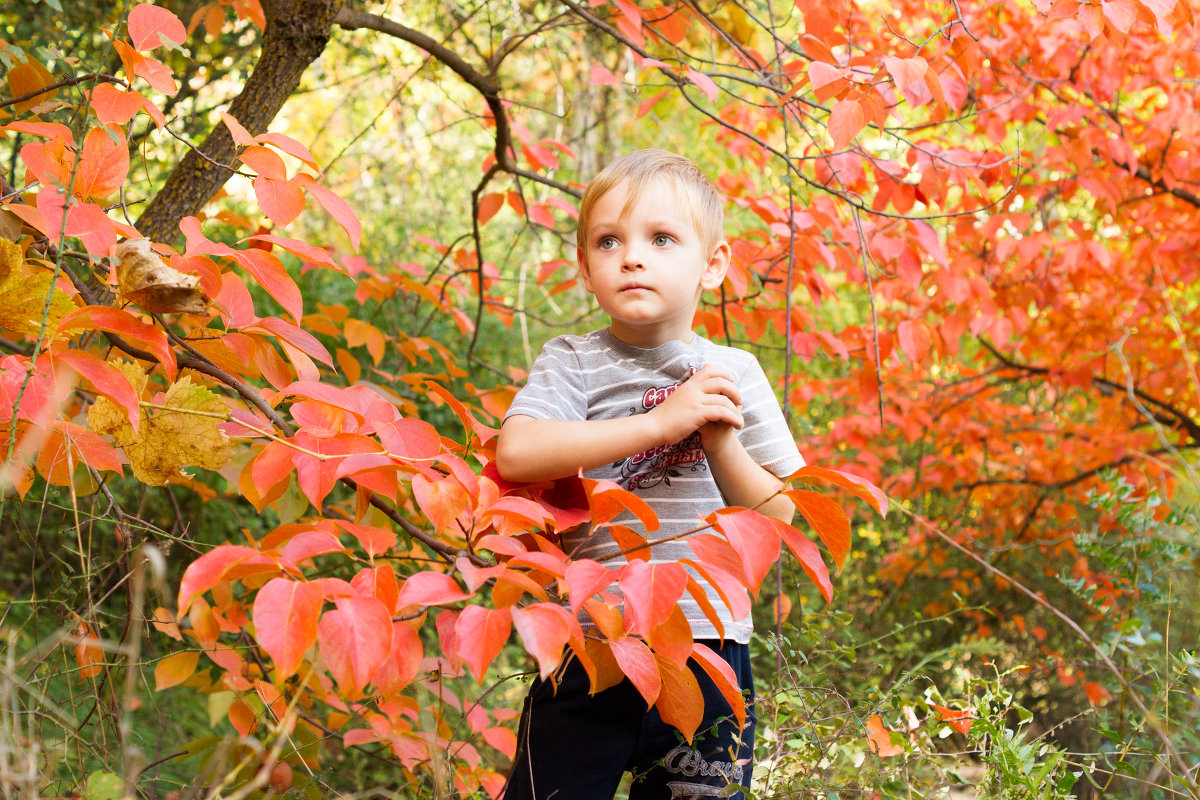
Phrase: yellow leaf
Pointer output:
(182, 433)
(23, 290)
(107, 418)
(29, 77)
(175, 669)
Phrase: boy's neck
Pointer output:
(648, 339)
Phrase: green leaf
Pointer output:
(104, 785)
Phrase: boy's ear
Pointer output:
(718, 265)
(586, 273)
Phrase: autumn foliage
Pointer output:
(969, 235)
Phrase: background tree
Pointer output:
(964, 238)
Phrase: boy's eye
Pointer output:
(607, 243)
(661, 240)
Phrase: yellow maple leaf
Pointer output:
(107, 418)
(23, 290)
(180, 432)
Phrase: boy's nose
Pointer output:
(633, 259)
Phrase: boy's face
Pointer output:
(648, 268)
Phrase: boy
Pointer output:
(689, 426)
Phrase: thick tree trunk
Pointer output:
(296, 34)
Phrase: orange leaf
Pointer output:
(115, 106)
(355, 640)
(809, 557)
(860, 487)
(723, 677)
(264, 161)
(879, 738)
(958, 720)
(584, 578)
(29, 76)
(607, 500)
(845, 121)
(211, 568)
(680, 702)
(281, 200)
(337, 208)
(107, 380)
(826, 518)
(430, 589)
(103, 164)
(285, 621)
(489, 204)
(639, 665)
(88, 653)
(270, 274)
(175, 669)
(481, 634)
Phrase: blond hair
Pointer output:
(692, 187)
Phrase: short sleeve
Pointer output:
(765, 433)
(554, 389)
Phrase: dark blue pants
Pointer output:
(575, 746)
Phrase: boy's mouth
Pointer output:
(634, 287)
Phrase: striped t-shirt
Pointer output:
(597, 376)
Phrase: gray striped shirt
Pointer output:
(597, 376)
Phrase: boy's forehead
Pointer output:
(657, 194)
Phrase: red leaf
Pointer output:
(584, 578)
(607, 501)
(152, 26)
(845, 121)
(880, 739)
(297, 337)
(285, 621)
(601, 75)
(288, 145)
(481, 634)
(121, 322)
(809, 557)
(651, 591)
(403, 662)
(821, 75)
(430, 589)
(706, 84)
(272, 465)
(281, 200)
(300, 249)
(270, 274)
(211, 568)
(753, 538)
(410, 438)
(680, 702)
(541, 215)
(723, 678)
(544, 630)
(380, 583)
(905, 71)
(355, 640)
(860, 487)
(309, 544)
(375, 541)
(728, 585)
(914, 340)
(441, 501)
(826, 518)
(639, 665)
(316, 476)
(338, 208)
(107, 379)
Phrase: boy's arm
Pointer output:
(532, 449)
(742, 481)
